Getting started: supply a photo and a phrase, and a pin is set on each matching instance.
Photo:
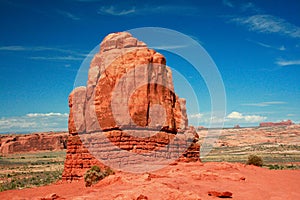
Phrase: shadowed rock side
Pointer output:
(128, 115)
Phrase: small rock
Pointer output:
(225, 194)
(52, 196)
(142, 197)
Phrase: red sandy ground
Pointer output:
(178, 181)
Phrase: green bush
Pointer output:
(255, 160)
(94, 175)
(276, 167)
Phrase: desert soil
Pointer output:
(178, 181)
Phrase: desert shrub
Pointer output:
(255, 160)
(108, 171)
(94, 175)
(276, 167)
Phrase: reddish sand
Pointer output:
(178, 181)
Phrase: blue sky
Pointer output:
(255, 45)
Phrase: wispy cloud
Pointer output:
(268, 24)
(165, 47)
(68, 15)
(33, 122)
(284, 63)
(228, 3)
(112, 10)
(281, 48)
(37, 48)
(67, 58)
(12, 48)
(146, 10)
(249, 7)
(64, 54)
(264, 104)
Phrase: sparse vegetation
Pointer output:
(276, 167)
(255, 160)
(30, 169)
(94, 175)
(29, 180)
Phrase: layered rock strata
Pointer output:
(128, 116)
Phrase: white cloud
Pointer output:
(197, 116)
(235, 115)
(112, 10)
(246, 118)
(288, 62)
(47, 114)
(269, 24)
(254, 118)
(34, 122)
(264, 104)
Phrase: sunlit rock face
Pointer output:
(128, 109)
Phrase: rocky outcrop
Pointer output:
(10, 144)
(128, 115)
(270, 124)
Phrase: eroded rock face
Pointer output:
(270, 124)
(33, 142)
(128, 107)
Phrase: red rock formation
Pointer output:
(10, 144)
(237, 126)
(282, 123)
(128, 114)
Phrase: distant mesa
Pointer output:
(10, 144)
(282, 123)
